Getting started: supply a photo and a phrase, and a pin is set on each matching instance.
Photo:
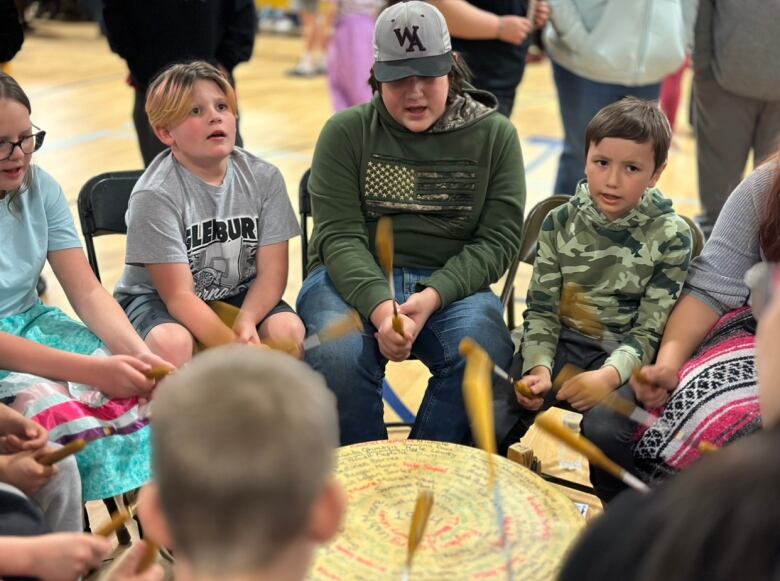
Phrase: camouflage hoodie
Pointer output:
(630, 270)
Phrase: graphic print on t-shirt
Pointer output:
(222, 255)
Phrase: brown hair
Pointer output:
(633, 119)
(769, 228)
(10, 89)
(460, 75)
(168, 97)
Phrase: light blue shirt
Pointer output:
(37, 223)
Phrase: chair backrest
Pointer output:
(102, 205)
(531, 228)
(304, 211)
(698, 236)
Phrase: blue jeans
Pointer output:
(579, 99)
(354, 368)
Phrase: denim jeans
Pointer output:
(579, 100)
(354, 368)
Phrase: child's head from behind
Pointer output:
(626, 147)
(243, 447)
(17, 138)
(192, 108)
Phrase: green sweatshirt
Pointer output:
(456, 194)
(630, 270)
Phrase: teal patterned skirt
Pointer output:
(117, 458)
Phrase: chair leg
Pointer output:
(122, 534)
(510, 310)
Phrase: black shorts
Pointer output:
(147, 311)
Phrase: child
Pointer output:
(243, 484)
(207, 221)
(432, 154)
(350, 51)
(621, 243)
(315, 39)
(715, 521)
(38, 341)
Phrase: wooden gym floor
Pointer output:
(79, 97)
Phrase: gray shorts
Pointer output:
(147, 311)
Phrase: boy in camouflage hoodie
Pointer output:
(620, 243)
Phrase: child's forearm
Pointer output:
(16, 556)
(199, 319)
(263, 295)
(17, 354)
(104, 317)
(685, 330)
(267, 289)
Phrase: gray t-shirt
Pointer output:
(175, 217)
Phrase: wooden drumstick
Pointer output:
(384, 251)
(420, 516)
(593, 453)
(150, 556)
(118, 519)
(351, 323)
(706, 447)
(68, 449)
(158, 373)
(478, 397)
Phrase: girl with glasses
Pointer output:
(88, 393)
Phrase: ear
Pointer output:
(656, 176)
(327, 513)
(152, 518)
(164, 135)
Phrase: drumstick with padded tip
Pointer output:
(158, 373)
(420, 516)
(477, 395)
(593, 453)
(384, 251)
(68, 449)
(350, 323)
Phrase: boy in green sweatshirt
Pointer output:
(620, 243)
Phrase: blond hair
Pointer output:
(243, 445)
(169, 97)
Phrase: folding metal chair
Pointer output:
(102, 204)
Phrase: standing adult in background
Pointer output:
(491, 36)
(151, 35)
(736, 94)
(11, 32)
(604, 50)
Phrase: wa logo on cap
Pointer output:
(411, 36)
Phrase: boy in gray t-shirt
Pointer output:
(207, 222)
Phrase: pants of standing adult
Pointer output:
(728, 127)
(579, 100)
(350, 58)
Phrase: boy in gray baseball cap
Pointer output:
(430, 152)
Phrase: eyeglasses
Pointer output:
(28, 144)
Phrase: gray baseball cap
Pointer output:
(411, 40)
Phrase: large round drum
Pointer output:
(462, 540)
